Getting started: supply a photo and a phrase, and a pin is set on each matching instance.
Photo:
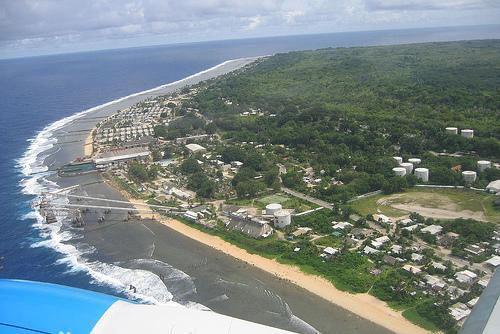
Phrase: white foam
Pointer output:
(150, 287)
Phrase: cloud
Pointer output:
(254, 22)
(60, 24)
(423, 5)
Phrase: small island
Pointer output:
(359, 174)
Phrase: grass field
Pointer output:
(435, 203)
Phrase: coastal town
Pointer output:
(165, 152)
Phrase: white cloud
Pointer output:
(54, 23)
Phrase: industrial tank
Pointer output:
(398, 160)
(408, 166)
(283, 218)
(482, 165)
(467, 133)
(469, 176)
(452, 130)
(415, 161)
(399, 171)
(272, 208)
(422, 174)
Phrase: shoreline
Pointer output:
(364, 305)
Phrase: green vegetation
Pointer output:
(347, 111)
(139, 172)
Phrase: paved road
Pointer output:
(307, 198)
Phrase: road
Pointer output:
(307, 198)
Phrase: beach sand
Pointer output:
(88, 146)
(363, 305)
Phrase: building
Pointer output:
(493, 187)
(329, 252)
(459, 311)
(438, 266)
(435, 283)
(466, 277)
(494, 261)
(474, 249)
(195, 148)
(411, 269)
(181, 194)
(432, 229)
(368, 250)
(120, 156)
(415, 257)
(341, 225)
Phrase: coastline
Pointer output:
(363, 305)
(69, 152)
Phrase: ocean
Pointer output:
(38, 94)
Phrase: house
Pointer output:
(329, 252)
(415, 257)
(368, 250)
(341, 225)
(390, 260)
(301, 231)
(412, 227)
(195, 148)
(380, 241)
(471, 303)
(494, 261)
(405, 222)
(382, 218)
(459, 311)
(447, 239)
(474, 249)
(396, 249)
(180, 193)
(493, 187)
(360, 233)
(435, 283)
(455, 292)
(466, 277)
(432, 229)
(438, 266)
(411, 269)
(236, 164)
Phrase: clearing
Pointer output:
(432, 203)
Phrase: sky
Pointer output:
(34, 27)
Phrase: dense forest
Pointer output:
(346, 111)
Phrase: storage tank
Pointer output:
(467, 133)
(415, 161)
(399, 171)
(483, 165)
(452, 130)
(272, 208)
(398, 160)
(469, 176)
(283, 218)
(422, 174)
(408, 166)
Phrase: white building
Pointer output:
(341, 225)
(465, 277)
(494, 261)
(493, 187)
(195, 148)
(432, 229)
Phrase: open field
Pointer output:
(432, 203)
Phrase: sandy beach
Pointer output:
(88, 146)
(363, 305)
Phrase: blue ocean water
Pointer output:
(38, 91)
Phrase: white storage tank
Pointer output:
(415, 161)
(272, 208)
(283, 218)
(398, 160)
(422, 174)
(482, 165)
(467, 133)
(408, 166)
(399, 171)
(452, 130)
(469, 176)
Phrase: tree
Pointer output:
(190, 166)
